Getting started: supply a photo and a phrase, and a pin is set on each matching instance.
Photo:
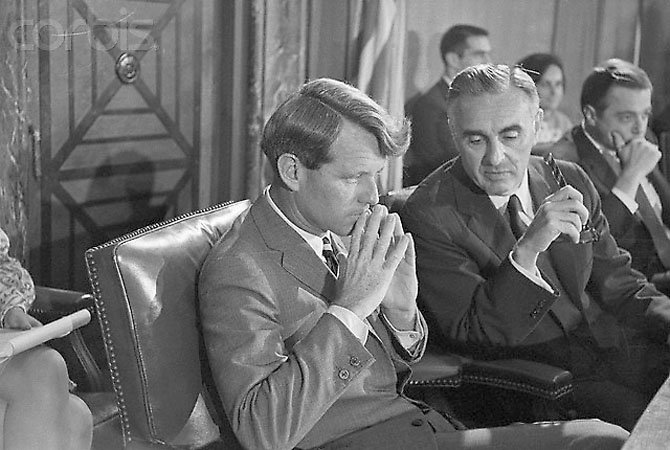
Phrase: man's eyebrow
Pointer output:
(511, 128)
(472, 133)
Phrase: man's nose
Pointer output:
(640, 125)
(369, 192)
(495, 153)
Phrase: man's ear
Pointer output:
(452, 59)
(539, 115)
(288, 167)
(590, 114)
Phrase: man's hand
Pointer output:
(376, 250)
(400, 301)
(638, 158)
(17, 319)
(561, 212)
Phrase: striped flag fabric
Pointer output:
(379, 63)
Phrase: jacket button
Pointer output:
(417, 422)
(355, 361)
(534, 313)
(343, 374)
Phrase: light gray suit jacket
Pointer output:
(287, 373)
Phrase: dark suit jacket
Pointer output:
(628, 229)
(288, 374)
(473, 295)
(431, 143)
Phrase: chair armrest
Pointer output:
(437, 370)
(531, 377)
(51, 303)
(82, 349)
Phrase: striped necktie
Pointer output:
(330, 256)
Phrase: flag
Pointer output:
(380, 69)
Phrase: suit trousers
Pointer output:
(613, 384)
(589, 434)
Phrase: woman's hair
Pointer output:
(537, 63)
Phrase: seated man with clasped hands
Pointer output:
(309, 340)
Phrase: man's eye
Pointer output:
(510, 135)
(626, 117)
(475, 140)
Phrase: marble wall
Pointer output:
(14, 138)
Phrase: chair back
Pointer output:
(145, 290)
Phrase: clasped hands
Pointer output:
(638, 158)
(379, 270)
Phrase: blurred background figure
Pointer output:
(546, 70)
(461, 46)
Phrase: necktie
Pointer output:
(515, 222)
(330, 256)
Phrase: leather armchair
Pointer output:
(145, 290)
(542, 389)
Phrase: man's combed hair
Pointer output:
(308, 122)
(614, 72)
(490, 79)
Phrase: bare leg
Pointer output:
(35, 386)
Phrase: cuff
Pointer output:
(535, 277)
(626, 199)
(350, 320)
(408, 339)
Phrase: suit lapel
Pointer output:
(482, 218)
(296, 256)
(663, 190)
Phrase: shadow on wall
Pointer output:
(121, 197)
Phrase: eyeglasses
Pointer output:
(588, 233)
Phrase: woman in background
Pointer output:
(37, 410)
(546, 70)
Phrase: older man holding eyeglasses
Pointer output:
(503, 271)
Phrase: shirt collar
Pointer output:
(523, 192)
(314, 241)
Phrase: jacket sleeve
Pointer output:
(275, 383)
(468, 301)
(619, 289)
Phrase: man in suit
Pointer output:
(503, 271)
(612, 147)
(461, 46)
(312, 350)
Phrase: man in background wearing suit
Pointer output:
(495, 278)
(461, 46)
(612, 147)
(310, 340)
